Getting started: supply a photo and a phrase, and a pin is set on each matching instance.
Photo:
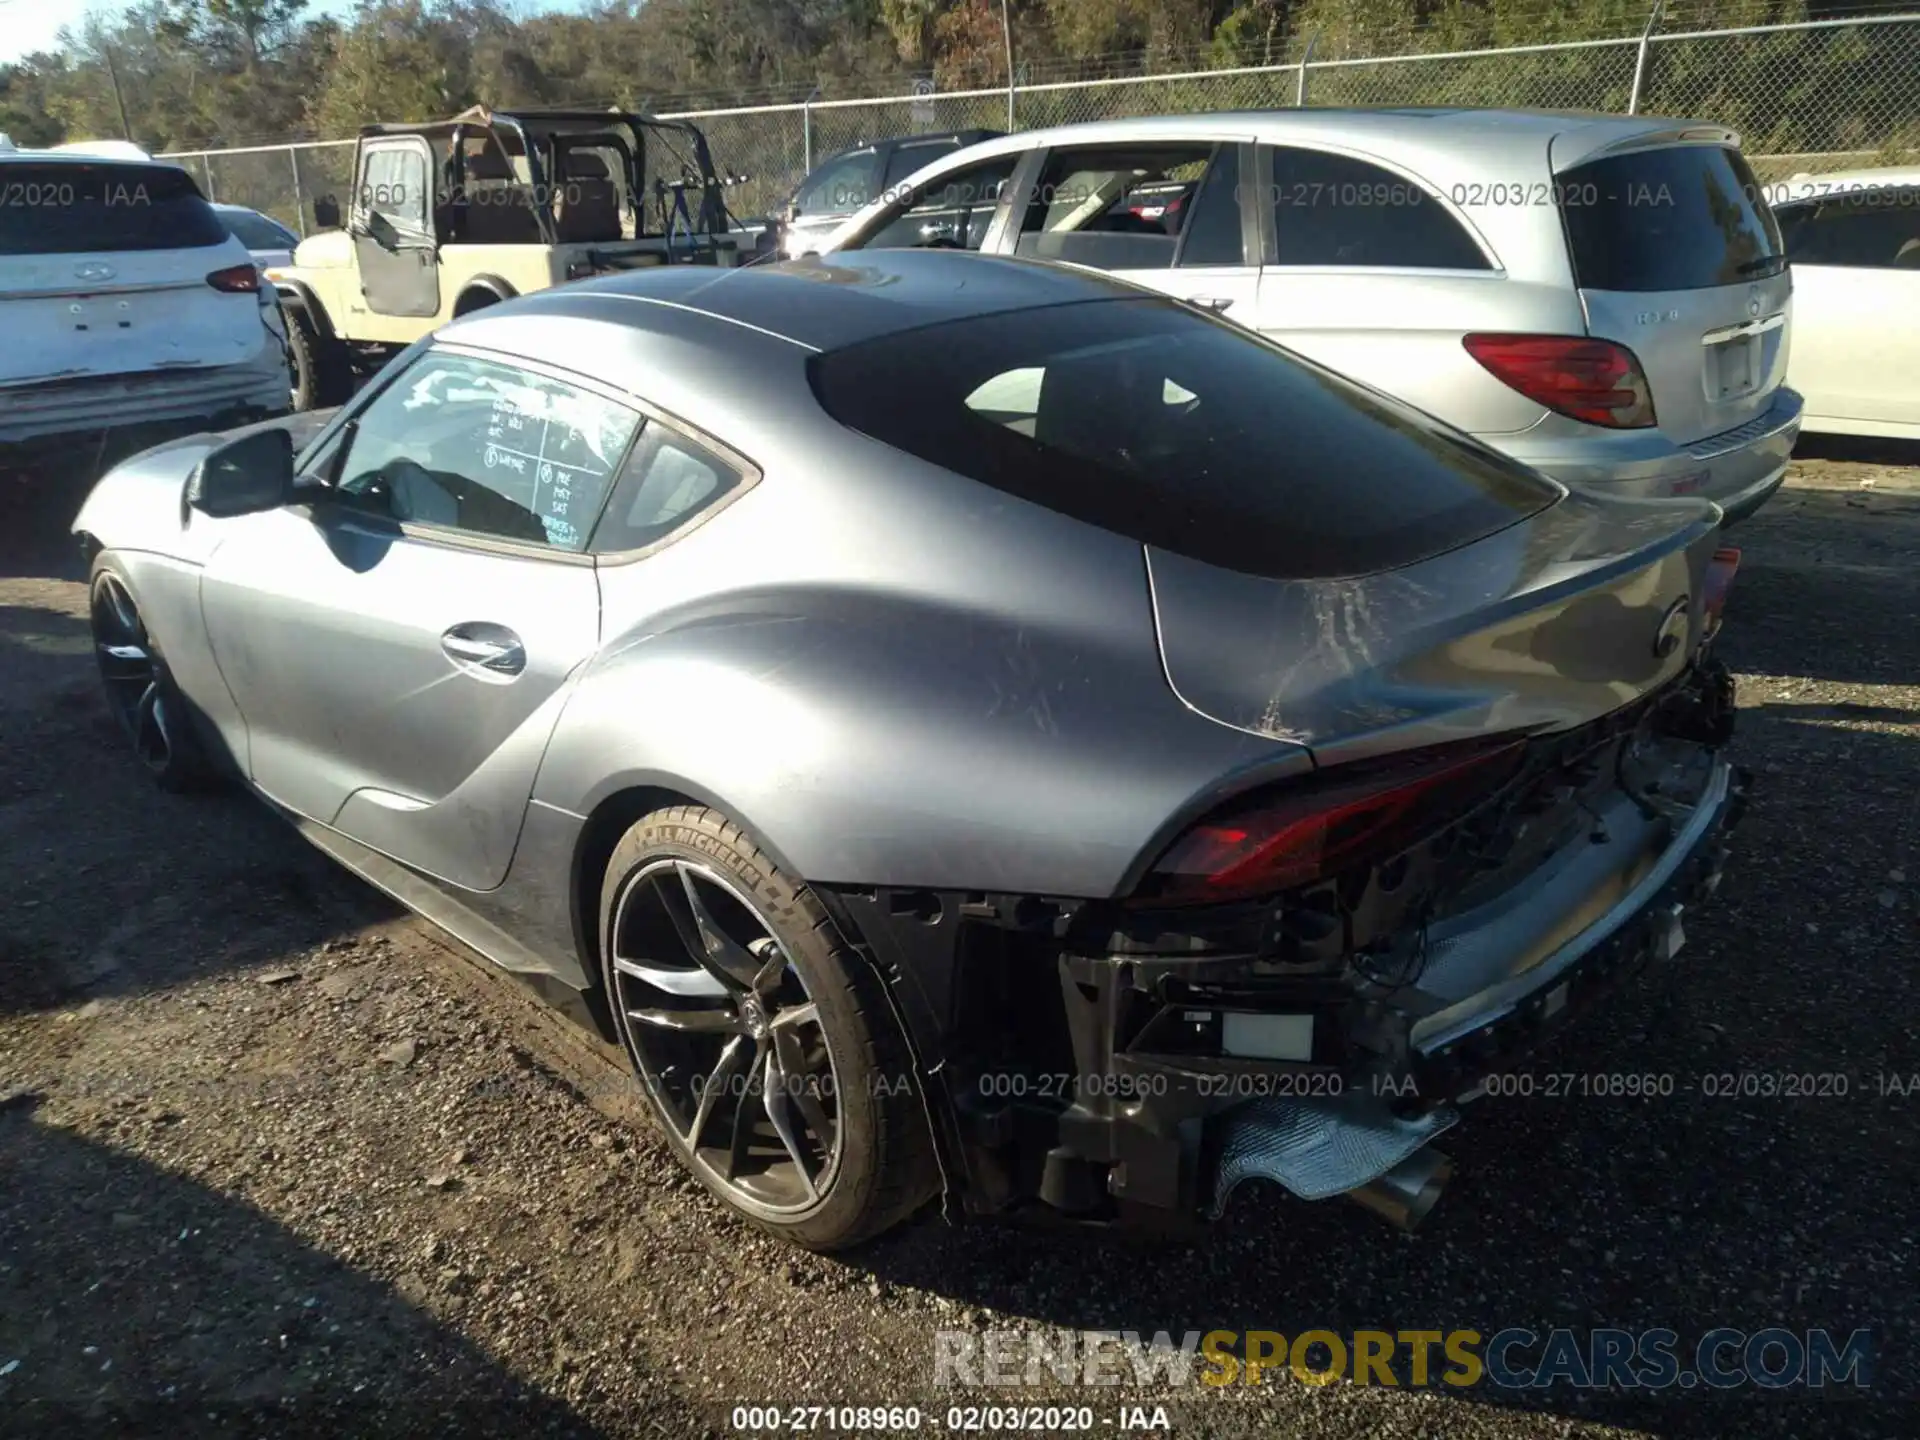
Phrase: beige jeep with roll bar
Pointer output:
(448, 216)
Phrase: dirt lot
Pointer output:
(274, 1162)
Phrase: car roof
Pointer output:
(74, 156)
(818, 302)
(1493, 134)
(1824, 185)
(927, 137)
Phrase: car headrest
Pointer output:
(585, 165)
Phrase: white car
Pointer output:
(1854, 243)
(125, 303)
(267, 240)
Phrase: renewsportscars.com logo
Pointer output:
(1772, 1358)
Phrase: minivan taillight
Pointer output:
(1304, 831)
(1592, 380)
(235, 279)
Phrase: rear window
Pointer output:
(257, 232)
(909, 158)
(66, 209)
(838, 187)
(1683, 217)
(1181, 431)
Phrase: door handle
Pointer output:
(1215, 303)
(491, 647)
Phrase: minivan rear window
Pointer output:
(1181, 431)
(65, 208)
(1680, 217)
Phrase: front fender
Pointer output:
(140, 504)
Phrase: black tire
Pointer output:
(478, 298)
(153, 713)
(322, 369)
(884, 1167)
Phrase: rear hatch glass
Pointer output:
(68, 209)
(1681, 217)
(1678, 257)
(1181, 431)
(103, 271)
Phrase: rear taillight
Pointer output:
(1592, 380)
(1720, 572)
(1280, 839)
(236, 279)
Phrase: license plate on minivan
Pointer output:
(1734, 367)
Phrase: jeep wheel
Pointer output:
(322, 369)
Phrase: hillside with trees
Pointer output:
(189, 74)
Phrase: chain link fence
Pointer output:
(1813, 96)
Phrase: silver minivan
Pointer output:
(1603, 297)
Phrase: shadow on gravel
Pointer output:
(115, 886)
(37, 507)
(38, 651)
(135, 1302)
(1826, 588)
(1863, 449)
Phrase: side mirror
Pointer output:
(326, 212)
(244, 476)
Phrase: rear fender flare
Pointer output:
(293, 292)
(834, 746)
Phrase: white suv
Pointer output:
(125, 303)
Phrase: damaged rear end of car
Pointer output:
(1516, 798)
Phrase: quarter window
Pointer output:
(1335, 210)
(667, 481)
(1213, 235)
(488, 449)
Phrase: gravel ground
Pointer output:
(275, 1161)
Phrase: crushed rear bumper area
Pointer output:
(1321, 1147)
(47, 414)
(1143, 1075)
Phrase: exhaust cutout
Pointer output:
(1406, 1193)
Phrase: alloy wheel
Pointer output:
(134, 674)
(726, 1038)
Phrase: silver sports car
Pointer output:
(970, 729)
